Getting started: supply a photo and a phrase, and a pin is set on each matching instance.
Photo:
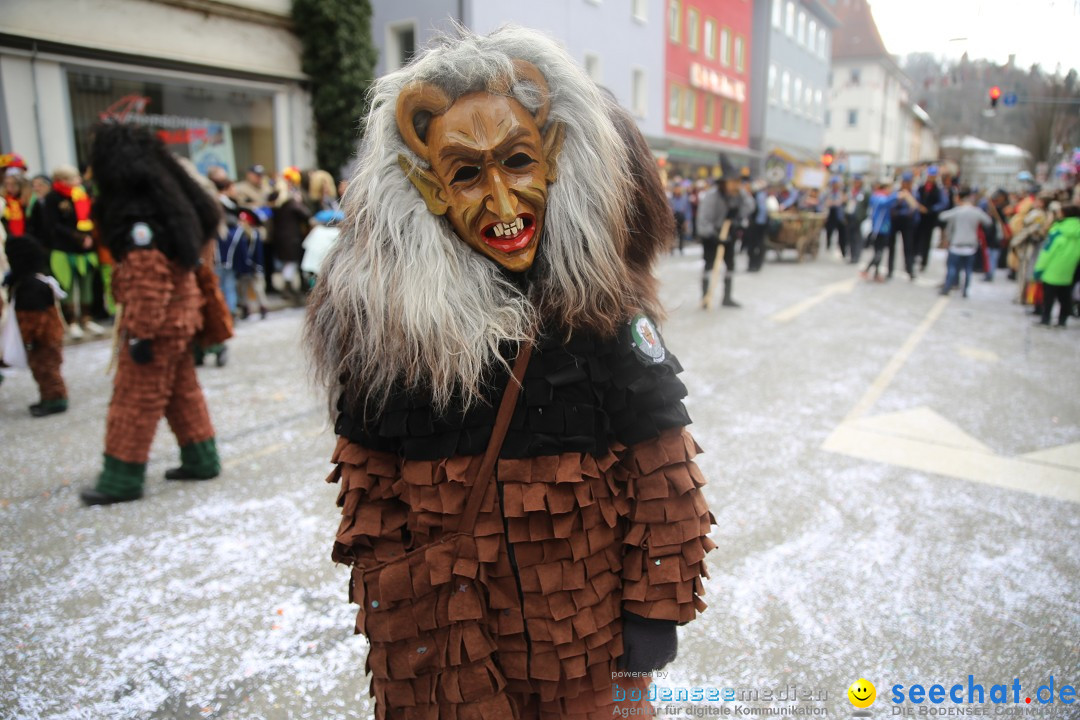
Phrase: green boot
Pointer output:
(198, 461)
(49, 407)
(119, 481)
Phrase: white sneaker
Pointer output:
(93, 327)
(75, 332)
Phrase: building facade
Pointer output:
(871, 118)
(707, 63)
(682, 67)
(983, 164)
(791, 79)
(627, 57)
(219, 81)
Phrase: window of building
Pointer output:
(800, 33)
(692, 28)
(209, 124)
(773, 86)
(819, 105)
(855, 77)
(400, 45)
(785, 89)
(736, 117)
(828, 118)
(740, 59)
(639, 9)
(777, 14)
(710, 38)
(674, 104)
(789, 18)
(710, 114)
(638, 92)
(811, 36)
(592, 67)
(798, 95)
(852, 117)
(689, 114)
(808, 102)
(675, 21)
(823, 43)
(725, 46)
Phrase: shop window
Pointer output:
(400, 45)
(212, 125)
(675, 21)
(692, 29)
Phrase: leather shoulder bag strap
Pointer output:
(498, 434)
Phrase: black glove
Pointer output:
(647, 644)
(142, 351)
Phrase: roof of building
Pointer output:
(858, 35)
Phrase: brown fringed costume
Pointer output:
(589, 546)
(39, 321)
(156, 222)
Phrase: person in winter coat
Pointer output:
(69, 225)
(156, 221)
(291, 216)
(544, 216)
(1056, 266)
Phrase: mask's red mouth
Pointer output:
(510, 237)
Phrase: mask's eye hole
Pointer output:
(466, 173)
(518, 161)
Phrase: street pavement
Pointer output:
(895, 478)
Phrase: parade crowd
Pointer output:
(52, 254)
(1032, 233)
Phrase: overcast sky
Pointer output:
(1038, 31)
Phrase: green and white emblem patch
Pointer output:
(646, 339)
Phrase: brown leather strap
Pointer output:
(498, 434)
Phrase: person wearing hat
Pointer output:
(934, 198)
(856, 208)
(254, 189)
(903, 224)
(720, 211)
(835, 221)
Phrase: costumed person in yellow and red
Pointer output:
(156, 221)
(17, 195)
(520, 504)
(34, 295)
(69, 228)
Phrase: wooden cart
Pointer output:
(798, 231)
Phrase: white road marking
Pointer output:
(885, 378)
(843, 287)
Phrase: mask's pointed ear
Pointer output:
(553, 141)
(429, 186)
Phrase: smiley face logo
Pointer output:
(862, 693)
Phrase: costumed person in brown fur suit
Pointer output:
(156, 221)
(514, 545)
(34, 296)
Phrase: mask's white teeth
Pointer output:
(498, 231)
(520, 224)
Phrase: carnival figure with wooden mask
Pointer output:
(520, 504)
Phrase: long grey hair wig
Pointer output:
(402, 300)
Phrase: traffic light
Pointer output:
(827, 158)
(995, 95)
